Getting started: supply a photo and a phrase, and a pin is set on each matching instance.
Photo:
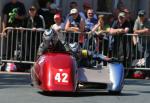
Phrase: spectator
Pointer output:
(100, 26)
(45, 11)
(18, 13)
(58, 26)
(34, 20)
(119, 28)
(129, 19)
(90, 21)
(13, 15)
(72, 6)
(142, 27)
(101, 29)
(86, 7)
(75, 22)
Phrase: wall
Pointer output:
(144, 4)
(65, 5)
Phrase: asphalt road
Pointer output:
(15, 88)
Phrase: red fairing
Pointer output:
(56, 72)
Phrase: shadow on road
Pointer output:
(82, 94)
(140, 82)
(13, 80)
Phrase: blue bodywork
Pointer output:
(116, 76)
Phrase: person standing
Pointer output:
(13, 14)
(58, 26)
(90, 21)
(118, 29)
(75, 23)
(33, 21)
(142, 27)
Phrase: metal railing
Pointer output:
(21, 44)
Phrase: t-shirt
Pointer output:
(84, 15)
(116, 25)
(35, 22)
(75, 22)
(21, 12)
(90, 23)
(58, 27)
(119, 39)
(139, 25)
(48, 16)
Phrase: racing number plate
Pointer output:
(61, 76)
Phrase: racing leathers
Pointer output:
(52, 43)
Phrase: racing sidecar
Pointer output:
(60, 72)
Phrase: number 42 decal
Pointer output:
(61, 77)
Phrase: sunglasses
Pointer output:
(141, 15)
(91, 13)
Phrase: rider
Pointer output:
(51, 42)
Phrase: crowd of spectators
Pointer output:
(120, 23)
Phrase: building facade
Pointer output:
(98, 5)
